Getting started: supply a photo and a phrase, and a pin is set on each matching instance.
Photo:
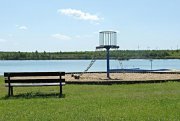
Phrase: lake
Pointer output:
(81, 65)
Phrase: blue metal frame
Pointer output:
(107, 57)
(107, 47)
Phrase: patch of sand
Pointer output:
(123, 77)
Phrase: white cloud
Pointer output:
(2, 40)
(61, 37)
(21, 27)
(78, 14)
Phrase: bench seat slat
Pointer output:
(35, 80)
(21, 74)
(34, 84)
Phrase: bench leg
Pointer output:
(60, 93)
(11, 91)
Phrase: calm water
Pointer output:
(80, 65)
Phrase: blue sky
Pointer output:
(73, 25)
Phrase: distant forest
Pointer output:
(116, 54)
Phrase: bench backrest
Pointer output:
(34, 77)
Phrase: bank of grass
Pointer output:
(137, 102)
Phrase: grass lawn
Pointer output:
(136, 102)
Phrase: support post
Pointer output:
(151, 63)
(107, 57)
(11, 90)
(107, 47)
(60, 85)
(9, 85)
(60, 95)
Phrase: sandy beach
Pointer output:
(123, 77)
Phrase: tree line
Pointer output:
(115, 54)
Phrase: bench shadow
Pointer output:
(31, 95)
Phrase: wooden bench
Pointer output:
(26, 79)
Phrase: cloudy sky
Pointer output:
(73, 25)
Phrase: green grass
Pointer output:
(137, 102)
